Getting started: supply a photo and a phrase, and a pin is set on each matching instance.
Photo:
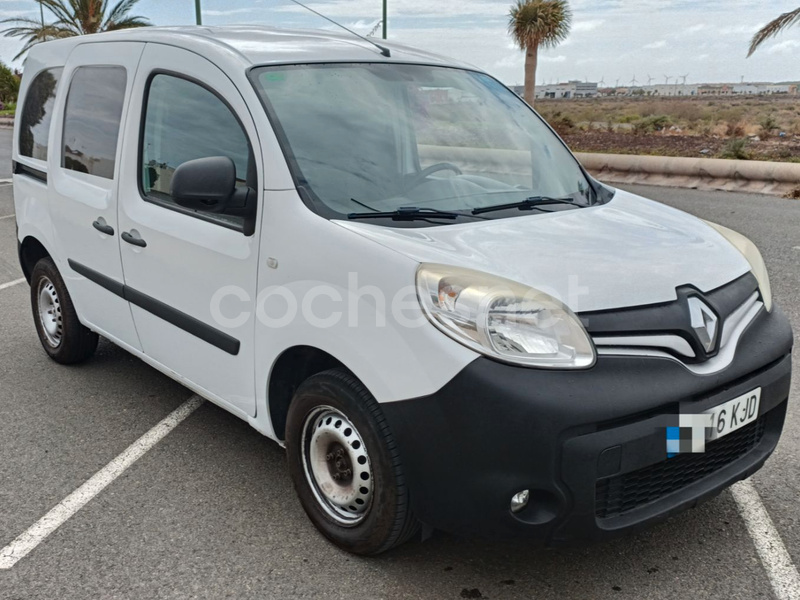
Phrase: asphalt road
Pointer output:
(210, 512)
(5, 153)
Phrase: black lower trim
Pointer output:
(183, 321)
(497, 429)
(20, 169)
(626, 492)
(171, 315)
(112, 285)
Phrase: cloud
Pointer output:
(364, 25)
(784, 47)
(553, 59)
(226, 12)
(581, 26)
(418, 9)
(608, 36)
(739, 29)
(509, 61)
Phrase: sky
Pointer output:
(611, 39)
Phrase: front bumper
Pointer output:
(590, 445)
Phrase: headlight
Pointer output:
(503, 319)
(753, 256)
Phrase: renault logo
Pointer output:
(704, 323)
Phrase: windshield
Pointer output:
(381, 137)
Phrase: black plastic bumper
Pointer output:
(497, 429)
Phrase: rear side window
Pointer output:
(92, 119)
(34, 128)
(185, 121)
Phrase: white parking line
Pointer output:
(58, 515)
(780, 569)
(11, 283)
(7, 217)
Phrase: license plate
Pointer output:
(734, 414)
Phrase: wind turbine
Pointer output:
(617, 84)
(684, 78)
(649, 80)
(666, 79)
(633, 81)
(602, 82)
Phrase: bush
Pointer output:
(561, 123)
(9, 85)
(735, 129)
(736, 149)
(651, 124)
(768, 125)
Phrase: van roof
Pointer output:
(253, 45)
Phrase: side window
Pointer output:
(185, 121)
(34, 128)
(92, 119)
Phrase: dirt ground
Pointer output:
(777, 149)
(755, 127)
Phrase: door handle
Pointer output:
(103, 227)
(133, 238)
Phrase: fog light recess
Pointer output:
(520, 500)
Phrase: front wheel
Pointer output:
(345, 465)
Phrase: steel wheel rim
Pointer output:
(49, 308)
(337, 466)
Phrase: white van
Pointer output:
(388, 263)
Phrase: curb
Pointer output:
(758, 177)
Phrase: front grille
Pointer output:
(618, 495)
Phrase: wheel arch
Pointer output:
(293, 367)
(31, 251)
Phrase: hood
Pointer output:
(628, 252)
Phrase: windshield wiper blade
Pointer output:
(409, 213)
(528, 204)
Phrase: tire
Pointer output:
(62, 335)
(335, 425)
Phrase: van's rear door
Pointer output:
(83, 166)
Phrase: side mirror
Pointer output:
(204, 183)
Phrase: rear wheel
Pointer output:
(345, 465)
(62, 335)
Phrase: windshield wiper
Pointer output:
(410, 213)
(528, 204)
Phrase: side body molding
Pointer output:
(175, 317)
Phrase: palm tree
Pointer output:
(773, 28)
(73, 17)
(538, 24)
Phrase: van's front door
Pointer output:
(84, 167)
(190, 274)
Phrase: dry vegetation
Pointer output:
(760, 128)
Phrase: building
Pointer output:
(670, 89)
(580, 89)
(571, 89)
